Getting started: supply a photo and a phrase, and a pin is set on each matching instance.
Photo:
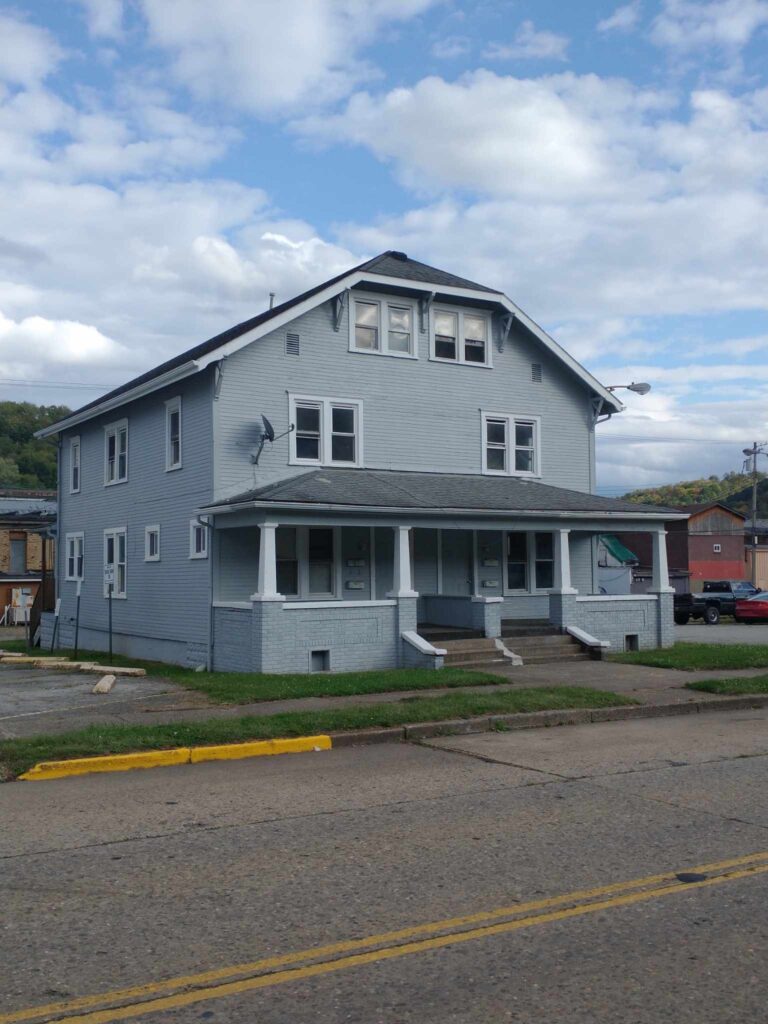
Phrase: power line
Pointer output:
(55, 384)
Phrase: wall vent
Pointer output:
(536, 373)
(292, 345)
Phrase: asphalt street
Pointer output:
(527, 877)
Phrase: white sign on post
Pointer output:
(109, 575)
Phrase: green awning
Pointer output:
(617, 549)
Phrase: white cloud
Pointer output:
(27, 53)
(685, 25)
(274, 55)
(623, 19)
(104, 17)
(530, 43)
(36, 345)
(450, 47)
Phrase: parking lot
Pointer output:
(725, 632)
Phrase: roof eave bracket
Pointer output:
(338, 302)
(425, 304)
(506, 326)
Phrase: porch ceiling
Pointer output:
(438, 494)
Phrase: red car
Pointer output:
(752, 609)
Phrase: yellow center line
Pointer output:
(397, 947)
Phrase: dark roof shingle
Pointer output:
(434, 492)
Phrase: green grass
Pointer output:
(245, 687)
(693, 657)
(18, 755)
(757, 684)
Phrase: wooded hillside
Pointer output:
(735, 489)
(24, 460)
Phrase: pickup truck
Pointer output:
(717, 598)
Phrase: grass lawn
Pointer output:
(694, 657)
(244, 687)
(16, 756)
(758, 684)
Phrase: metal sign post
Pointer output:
(109, 582)
(77, 616)
(56, 613)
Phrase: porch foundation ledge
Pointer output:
(296, 605)
(619, 597)
(481, 599)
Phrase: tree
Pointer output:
(26, 461)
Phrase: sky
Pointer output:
(166, 164)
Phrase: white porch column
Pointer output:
(563, 563)
(402, 584)
(660, 583)
(267, 565)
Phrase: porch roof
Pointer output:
(436, 493)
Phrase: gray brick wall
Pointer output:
(650, 620)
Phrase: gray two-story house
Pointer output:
(393, 459)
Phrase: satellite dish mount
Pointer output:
(267, 434)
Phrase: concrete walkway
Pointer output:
(34, 702)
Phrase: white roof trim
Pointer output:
(275, 323)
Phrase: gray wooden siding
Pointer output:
(236, 568)
(417, 415)
(166, 600)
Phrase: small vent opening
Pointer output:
(292, 345)
(632, 642)
(536, 373)
(319, 661)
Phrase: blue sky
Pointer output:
(165, 164)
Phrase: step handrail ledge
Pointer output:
(586, 638)
(422, 645)
(514, 658)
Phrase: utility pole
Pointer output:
(752, 453)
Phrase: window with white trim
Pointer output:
(511, 444)
(173, 434)
(385, 326)
(530, 562)
(115, 555)
(74, 465)
(75, 552)
(151, 543)
(198, 539)
(116, 453)
(307, 565)
(460, 336)
(328, 431)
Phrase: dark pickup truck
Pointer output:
(717, 598)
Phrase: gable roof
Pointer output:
(705, 506)
(445, 493)
(392, 267)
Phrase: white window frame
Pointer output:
(171, 406)
(194, 526)
(148, 531)
(114, 430)
(69, 554)
(75, 462)
(459, 312)
(530, 548)
(511, 419)
(115, 532)
(326, 406)
(383, 304)
(302, 559)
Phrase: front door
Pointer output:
(458, 577)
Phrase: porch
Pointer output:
(301, 592)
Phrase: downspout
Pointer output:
(208, 524)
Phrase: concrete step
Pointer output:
(510, 630)
(555, 659)
(559, 640)
(488, 663)
(446, 633)
(480, 643)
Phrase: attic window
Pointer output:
(382, 326)
(292, 345)
(536, 373)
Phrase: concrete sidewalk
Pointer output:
(35, 702)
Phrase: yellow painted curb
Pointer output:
(110, 763)
(260, 748)
(179, 755)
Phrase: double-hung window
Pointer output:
(116, 453)
(511, 444)
(173, 434)
(385, 326)
(74, 465)
(198, 539)
(75, 547)
(530, 561)
(306, 561)
(328, 431)
(115, 558)
(461, 336)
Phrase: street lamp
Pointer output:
(752, 453)
(641, 388)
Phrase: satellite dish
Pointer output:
(268, 432)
